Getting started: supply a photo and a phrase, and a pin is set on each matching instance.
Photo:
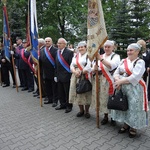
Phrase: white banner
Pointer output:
(96, 34)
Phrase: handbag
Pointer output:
(83, 86)
(118, 101)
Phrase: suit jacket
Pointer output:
(22, 64)
(45, 65)
(7, 63)
(146, 58)
(62, 74)
(17, 55)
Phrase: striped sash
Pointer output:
(49, 57)
(63, 62)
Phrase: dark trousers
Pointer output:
(42, 86)
(51, 90)
(63, 92)
(20, 77)
(148, 84)
(28, 80)
(1, 76)
(5, 74)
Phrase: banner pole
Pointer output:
(97, 97)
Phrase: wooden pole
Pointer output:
(39, 83)
(97, 97)
(12, 57)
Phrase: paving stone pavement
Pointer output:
(24, 125)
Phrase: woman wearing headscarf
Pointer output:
(80, 65)
(107, 63)
(128, 77)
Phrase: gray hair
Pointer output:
(134, 46)
(63, 40)
(41, 40)
(82, 43)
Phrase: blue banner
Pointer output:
(33, 31)
(6, 34)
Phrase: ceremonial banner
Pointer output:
(33, 31)
(28, 39)
(96, 34)
(6, 34)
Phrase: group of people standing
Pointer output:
(61, 69)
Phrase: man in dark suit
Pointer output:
(27, 76)
(63, 61)
(6, 68)
(17, 51)
(47, 63)
(146, 58)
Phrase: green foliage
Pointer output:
(122, 53)
(139, 19)
(126, 21)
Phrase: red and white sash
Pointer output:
(142, 83)
(108, 77)
(81, 67)
(23, 56)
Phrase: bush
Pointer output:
(122, 53)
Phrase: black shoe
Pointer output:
(35, 95)
(46, 99)
(132, 133)
(5, 85)
(48, 102)
(39, 97)
(60, 107)
(104, 121)
(35, 92)
(54, 104)
(24, 89)
(123, 129)
(113, 123)
(30, 90)
(80, 114)
(87, 115)
(68, 110)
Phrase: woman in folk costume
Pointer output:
(106, 65)
(128, 76)
(80, 65)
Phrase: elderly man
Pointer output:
(63, 61)
(47, 63)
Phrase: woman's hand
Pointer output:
(116, 78)
(118, 83)
(85, 71)
(77, 73)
